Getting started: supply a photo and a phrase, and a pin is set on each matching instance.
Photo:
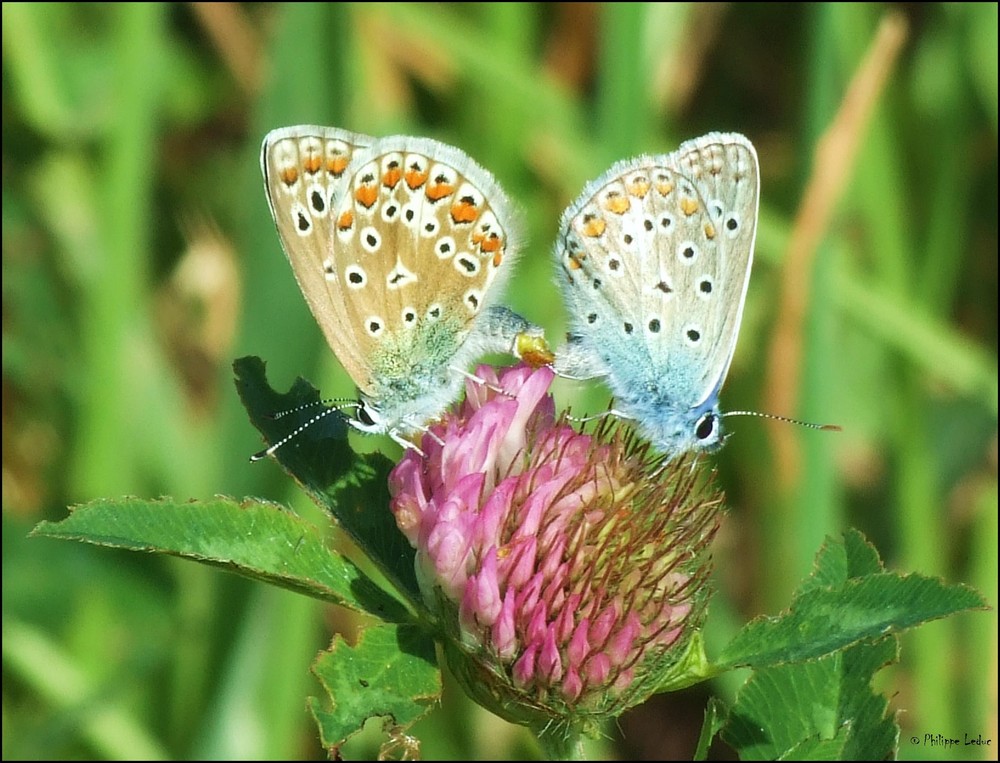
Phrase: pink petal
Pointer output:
(504, 635)
(572, 686)
(579, 646)
(597, 669)
(549, 659)
(524, 668)
(621, 645)
(521, 562)
(602, 626)
(494, 514)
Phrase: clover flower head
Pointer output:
(567, 571)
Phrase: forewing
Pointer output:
(654, 279)
(422, 247)
(305, 173)
(722, 169)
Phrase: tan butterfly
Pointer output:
(402, 247)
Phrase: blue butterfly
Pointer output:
(654, 261)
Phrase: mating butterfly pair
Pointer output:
(402, 247)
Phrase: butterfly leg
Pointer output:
(406, 444)
(477, 379)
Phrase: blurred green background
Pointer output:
(139, 260)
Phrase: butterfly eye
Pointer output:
(706, 427)
(363, 416)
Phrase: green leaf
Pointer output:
(390, 672)
(353, 488)
(838, 562)
(254, 538)
(817, 748)
(798, 707)
(715, 716)
(820, 710)
(318, 455)
(835, 609)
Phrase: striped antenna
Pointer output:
(775, 417)
(301, 428)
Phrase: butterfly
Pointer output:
(402, 247)
(654, 261)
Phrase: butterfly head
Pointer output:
(368, 418)
(708, 431)
(674, 432)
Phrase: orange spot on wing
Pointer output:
(416, 178)
(346, 220)
(594, 227)
(391, 177)
(289, 176)
(709, 230)
(336, 165)
(312, 163)
(438, 191)
(464, 212)
(493, 243)
(665, 187)
(639, 187)
(689, 206)
(616, 203)
(366, 195)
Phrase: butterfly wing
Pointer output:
(723, 172)
(655, 257)
(401, 247)
(420, 252)
(305, 173)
